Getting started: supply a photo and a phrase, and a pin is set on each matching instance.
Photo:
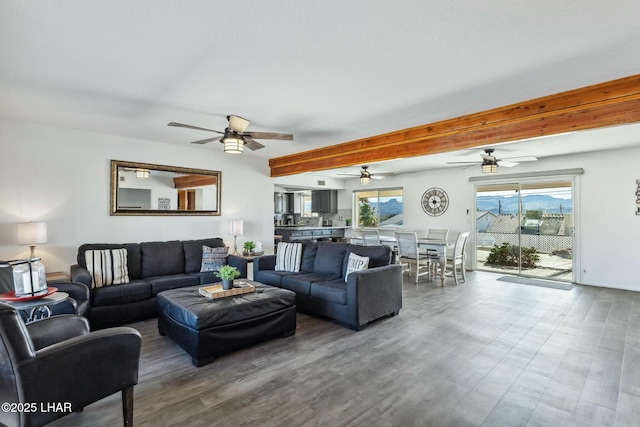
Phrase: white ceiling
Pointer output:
(328, 71)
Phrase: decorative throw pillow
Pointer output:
(214, 258)
(356, 263)
(107, 267)
(289, 257)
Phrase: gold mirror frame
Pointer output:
(163, 190)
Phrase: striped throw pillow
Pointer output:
(107, 267)
(289, 257)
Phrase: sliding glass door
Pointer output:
(526, 229)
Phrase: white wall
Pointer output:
(61, 176)
(609, 231)
(307, 181)
(206, 197)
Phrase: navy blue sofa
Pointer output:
(321, 289)
(153, 267)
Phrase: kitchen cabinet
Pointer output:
(277, 202)
(283, 203)
(324, 201)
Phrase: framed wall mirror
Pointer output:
(147, 189)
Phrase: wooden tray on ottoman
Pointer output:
(216, 291)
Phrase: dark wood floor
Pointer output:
(485, 353)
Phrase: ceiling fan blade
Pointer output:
(251, 144)
(182, 125)
(383, 174)
(269, 135)
(204, 141)
(521, 159)
(464, 163)
(502, 163)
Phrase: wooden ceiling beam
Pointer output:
(190, 181)
(606, 104)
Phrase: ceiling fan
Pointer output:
(490, 163)
(234, 136)
(366, 176)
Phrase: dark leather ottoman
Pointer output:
(207, 328)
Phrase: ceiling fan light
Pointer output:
(142, 173)
(233, 145)
(365, 180)
(489, 168)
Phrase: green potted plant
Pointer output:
(249, 246)
(227, 273)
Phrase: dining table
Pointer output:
(440, 246)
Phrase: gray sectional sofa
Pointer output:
(321, 288)
(153, 267)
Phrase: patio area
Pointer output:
(549, 266)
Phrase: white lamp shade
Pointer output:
(30, 233)
(235, 227)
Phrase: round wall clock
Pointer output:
(435, 201)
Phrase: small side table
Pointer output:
(250, 259)
(39, 308)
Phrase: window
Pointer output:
(378, 208)
(306, 205)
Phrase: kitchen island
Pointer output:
(294, 233)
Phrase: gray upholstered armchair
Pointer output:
(58, 361)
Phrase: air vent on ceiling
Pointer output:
(321, 183)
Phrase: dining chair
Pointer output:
(409, 254)
(436, 234)
(456, 257)
(370, 237)
(353, 235)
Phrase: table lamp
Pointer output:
(32, 233)
(235, 229)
